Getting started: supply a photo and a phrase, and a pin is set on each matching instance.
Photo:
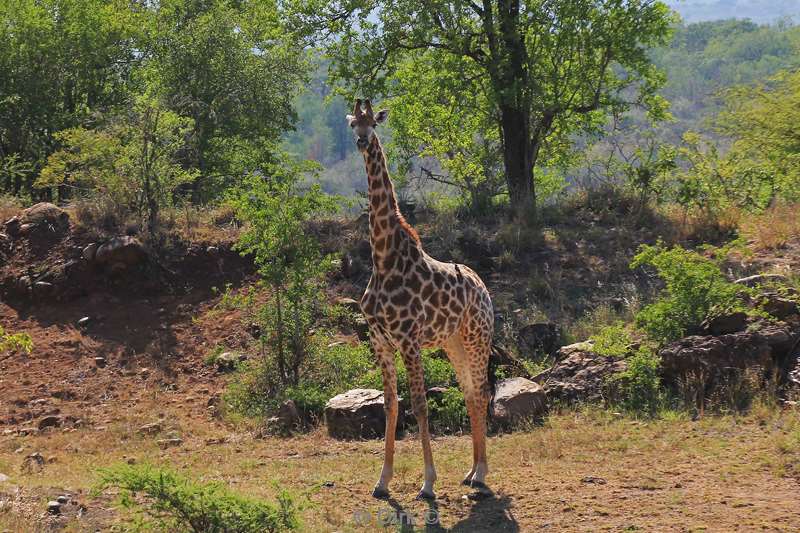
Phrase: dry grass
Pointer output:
(586, 470)
(773, 228)
(9, 206)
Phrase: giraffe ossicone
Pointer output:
(413, 301)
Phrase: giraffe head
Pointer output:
(363, 123)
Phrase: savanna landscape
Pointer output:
(242, 243)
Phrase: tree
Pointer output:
(229, 66)
(276, 209)
(133, 160)
(60, 61)
(550, 67)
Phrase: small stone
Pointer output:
(54, 507)
(63, 499)
(150, 429)
(100, 362)
(4, 478)
(90, 251)
(52, 421)
(169, 443)
(84, 322)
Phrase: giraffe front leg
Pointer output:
(419, 406)
(385, 356)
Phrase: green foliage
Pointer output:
(639, 386)
(695, 287)
(448, 414)
(133, 160)
(437, 370)
(275, 208)
(328, 370)
(539, 73)
(175, 503)
(15, 342)
(612, 341)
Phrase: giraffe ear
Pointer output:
(350, 119)
(381, 116)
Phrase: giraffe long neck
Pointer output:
(390, 234)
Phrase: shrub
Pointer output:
(695, 287)
(172, 502)
(612, 341)
(448, 414)
(639, 386)
(15, 342)
(291, 265)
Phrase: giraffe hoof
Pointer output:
(425, 495)
(380, 493)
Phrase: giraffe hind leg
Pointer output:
(472, 376)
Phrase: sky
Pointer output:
(761, 11)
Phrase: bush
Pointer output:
(612, 341)
(695, 288)
(639, 386)
(15, 342)
(329, 369)
(172, 502)
(448, 414)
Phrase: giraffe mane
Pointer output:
(406, 226)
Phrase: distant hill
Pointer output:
(761, 11)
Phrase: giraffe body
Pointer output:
(412, 302)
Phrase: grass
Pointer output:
(9, 206)
(773, 228)
(665, 470)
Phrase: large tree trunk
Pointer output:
(518, 159)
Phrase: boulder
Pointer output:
(726, 323)
(579, 375)
(228, 361)
(355, 414)
(779, 307)
(285, 420)
(517, 400)
(125, 251)
(45, 214)
(542, 338)
(709, 356)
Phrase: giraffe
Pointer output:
(413, 301)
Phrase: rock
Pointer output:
(84, 322)
(752, 281)
(43, 288)
(516, 400)
(361, 328)
(45, 214)
(227, 361)
(169, 443)
(580, 375)
(100, 362)
(435, 393)
(779, 307)
(357, 413)
(4, 478)
(542, 338)
(53, 507)
(350, 304)
(121, 252)
(150, 429)
(90, 252)
(724, 324)
(708, 357)
(63, 499)
(285, 420)
(52, 421)
(12, 226)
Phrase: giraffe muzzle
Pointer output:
(362, 143)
